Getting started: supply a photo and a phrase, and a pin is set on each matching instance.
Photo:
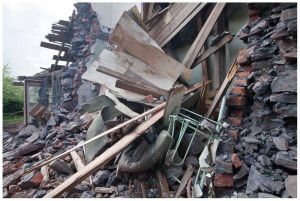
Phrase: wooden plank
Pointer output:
(202, 36)
(77, 160)
(229, 77)
(127, 68)
(64, 23)
(104, 157)
(157, 15)
(136, 89)
(106, 190)
(167, 18)
(58, 27)
(175, 21)
(62, 58)
(204, 64)
(170, 31)
(187, 175)
(163, 183)
(134, 41)
(220, 57)
(212, 49)
(53, 46)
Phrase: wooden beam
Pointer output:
(58, 27)
(187, 175)
(202, 36)
(176, 25)
(204, 63)
(212, 49)
(53, 46)
(220, 57)
(104, 157)
(229, 77)
(136, 89)
(64, 23)
(62, 58)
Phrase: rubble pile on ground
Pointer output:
(265, 141)
(145, 132)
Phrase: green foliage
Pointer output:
(9, 119)
(12, 95)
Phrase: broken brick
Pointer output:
(236, 160)
(236, 101)
(236, 112)
(31, 180)
(236, 121)
(240, 91)
(223, 180)
(243, 75)
(234, 133)
(244, 68)
(241, 83)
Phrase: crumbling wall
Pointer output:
(265, 140)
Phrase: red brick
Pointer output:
(235, 159)
(236, 101)
(223, 180)
(241, 83)
(254, 17)
(234, 133)
(236, 112)
(244, 68)
(240, 91)
(37, 178)
(243, 75)
(236, 121)
(242, 59)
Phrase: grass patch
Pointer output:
(12, 119)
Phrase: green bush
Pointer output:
(12, 95)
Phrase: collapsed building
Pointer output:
(178, 100)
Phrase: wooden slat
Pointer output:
(175, 20)
(202, 36)
(220, 56)
(136, 89)
(104, 157)
(204, 63)
(176, 25)
(55, 57)
(133, 40)
(166, 18)
(64, 23)
(187, 175)
(212, 49)
(229, 77)
(58, 27)
(53, 46)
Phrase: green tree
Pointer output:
(12, 95)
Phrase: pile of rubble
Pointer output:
(145, 132)
(265, 141)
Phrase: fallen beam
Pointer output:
(212, 49)
(202, 36)
(104, 157)
(136, 89)
(187, 175)
(229, 77)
